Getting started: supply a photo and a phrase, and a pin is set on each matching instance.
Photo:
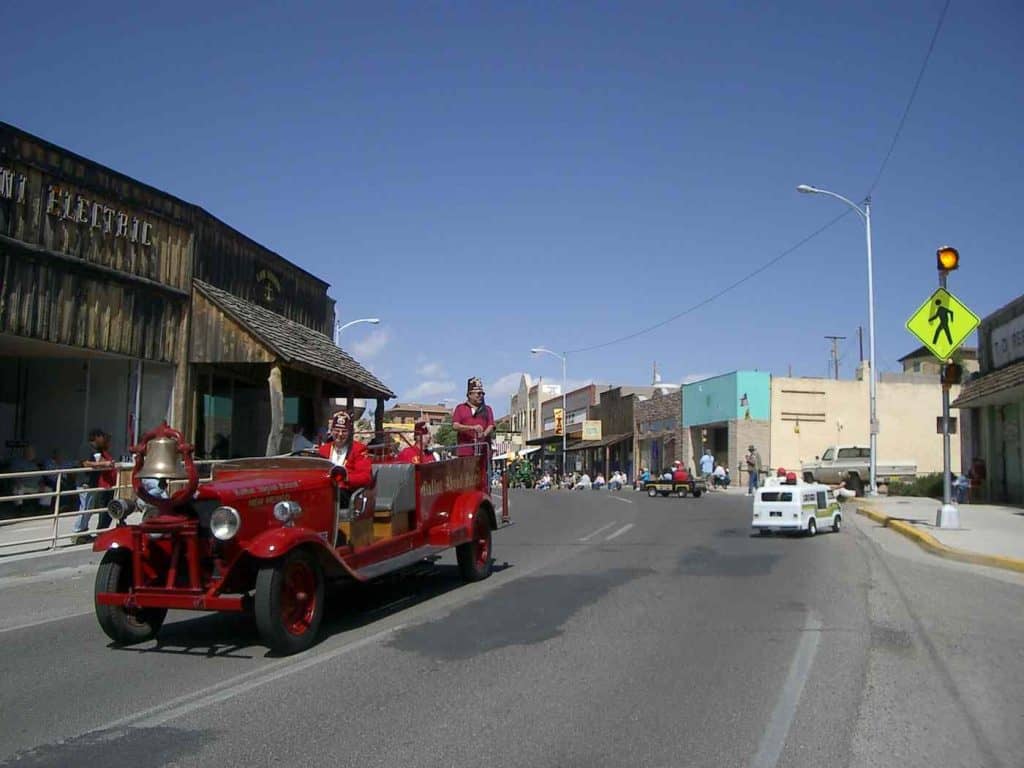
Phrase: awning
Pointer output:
(523, 452)
(227, 329)
(995, 388)
(551, 439)
(605, 441)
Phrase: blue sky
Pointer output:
(491, 177)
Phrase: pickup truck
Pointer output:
(850, 463)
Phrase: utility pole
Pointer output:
(835, 353)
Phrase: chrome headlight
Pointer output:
(224, 523)
(286, 511)
(119, 509)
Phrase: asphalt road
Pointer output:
(617, 630)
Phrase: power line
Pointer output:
(910, 101)
(720, 293)
(808, 238)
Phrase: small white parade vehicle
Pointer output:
(786, 504)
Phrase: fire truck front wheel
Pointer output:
(122, 626)
(289, 602)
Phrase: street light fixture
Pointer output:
(338, 327)
(865, 214)
(565, 413)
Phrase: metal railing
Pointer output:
(64, 485)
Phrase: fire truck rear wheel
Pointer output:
(289, 602)
(475, 555)
(122, 626)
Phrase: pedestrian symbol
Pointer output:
(942, 323)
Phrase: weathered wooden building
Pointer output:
(122, 305)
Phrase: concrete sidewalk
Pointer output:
(988, 534)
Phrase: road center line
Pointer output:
(602, 529)
(624, 501)
(774, 738)
(619, 532)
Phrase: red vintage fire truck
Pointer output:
(266, 536)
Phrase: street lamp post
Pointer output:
(338, 327)
(865, 214)
(565, 414)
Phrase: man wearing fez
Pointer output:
(473, 420)
(347, 453)
(419, 452)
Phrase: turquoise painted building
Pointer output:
(726, 414)
(738, 395)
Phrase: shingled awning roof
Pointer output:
(993, 388)
(294, 344)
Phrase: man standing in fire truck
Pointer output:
(348, 454)
(473, 420)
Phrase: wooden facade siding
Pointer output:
(75, 308)
(169, 220)
(231, 261)
(217, 338)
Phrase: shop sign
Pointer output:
(1008, 342)
(591, 429)
(63, 204)
(12, 185)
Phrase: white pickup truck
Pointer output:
(851, 464)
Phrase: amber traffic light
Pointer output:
(947, 258)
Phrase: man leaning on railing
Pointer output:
(95, 456)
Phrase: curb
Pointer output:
(929, 543)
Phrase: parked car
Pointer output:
(850, 464)
(266, 535)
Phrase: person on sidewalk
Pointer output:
(707, 467)
(98, 484)
(753, 460)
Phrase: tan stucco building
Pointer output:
(809, 414)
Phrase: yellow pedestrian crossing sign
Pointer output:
(942, 323)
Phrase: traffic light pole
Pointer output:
(949, 515)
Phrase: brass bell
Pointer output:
(163, 461)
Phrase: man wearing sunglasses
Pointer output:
(473, 421)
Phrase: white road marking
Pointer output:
(51, 620)
(619, 532)
(602, 529)
(619, 498)
(239, 684)
(774, 738)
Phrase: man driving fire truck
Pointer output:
(348, 454)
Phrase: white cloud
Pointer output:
(370, 346)
(504, 387)
(431, 370)
(428, 390)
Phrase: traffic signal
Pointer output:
(952, 374)
(947, 258)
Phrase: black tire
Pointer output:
(122, 626)
(652, 492)
(697, 493)
(474, 556)
(681, 493)
(763, 532)
(808, 477)
(855, 484)
(837, 523)
(812, 527)
(289, 602)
